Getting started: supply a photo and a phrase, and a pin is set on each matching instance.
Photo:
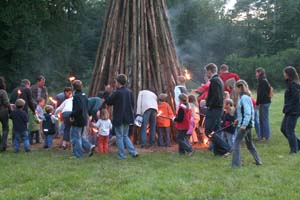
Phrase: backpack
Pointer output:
(47, 125)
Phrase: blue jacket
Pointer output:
(123, 102)
(245, 111)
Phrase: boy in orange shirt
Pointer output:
(165, 114)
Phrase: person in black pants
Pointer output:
(4, 111)
(291, 108)
(214, 112)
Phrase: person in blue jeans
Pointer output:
(244, 123)
(147, 107)
(79, 119)
(123, 115)
(20, 119)
(263, 101)
(291, 108)
(214, 103)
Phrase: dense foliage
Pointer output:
(60, 37)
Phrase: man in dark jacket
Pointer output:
(123, 115)
(79, 119)
(214, 103)
(39, 89)
(24, 93)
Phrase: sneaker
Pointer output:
(191, 153)
(135, 155)
(226, 154)
(258, 163)
(27, 150)
(92, 149)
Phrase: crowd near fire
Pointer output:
(218, 121)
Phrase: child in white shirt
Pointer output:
(104, 125)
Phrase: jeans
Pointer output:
(256, 123)
(236, 150)
(149, 116)
(212, 120)
(67, 123)
(18, 136)
(4, 122)
(36, 135)
(229, 138)
(48, 141)
(164, 135)
(264, 120)
(78, 141)
(288, 129)
(123, 139)
(183, 142)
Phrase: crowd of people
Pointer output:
(224, 112)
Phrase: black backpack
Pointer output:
(47, 125)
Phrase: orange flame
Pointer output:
(159, 113)
(187, 75)
(19, 92)
(72, 78)
(53, 100)
(95, 130)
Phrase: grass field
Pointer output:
(55, 174)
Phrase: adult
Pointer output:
(225, 75)
(62, 96)
(147, 107)
(39, 89)
(94, 105)
(263, 100)
(291, 108)
(123, 114)
(4, 112)
(79, 119)
(180, 88)
(214, 103)
(24, 93)
(65, 109)
(203, 90)
(245, 122)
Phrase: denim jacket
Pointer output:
(245, 117)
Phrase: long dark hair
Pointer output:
(2, 83)
(292, 74)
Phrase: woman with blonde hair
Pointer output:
(244, 123)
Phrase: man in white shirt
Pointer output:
(147, 107)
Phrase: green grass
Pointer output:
(55, 174)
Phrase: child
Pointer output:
(228, 121)
(39, 108)
(48, 126)
(104, 125)
(20, 118)
(182, 120)
(34, 128)
(196, 117)
(163, 121)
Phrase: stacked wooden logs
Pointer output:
(137, 41)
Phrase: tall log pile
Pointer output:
(137, 41)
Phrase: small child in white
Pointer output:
(104, 125)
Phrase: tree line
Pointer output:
(59, 37)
